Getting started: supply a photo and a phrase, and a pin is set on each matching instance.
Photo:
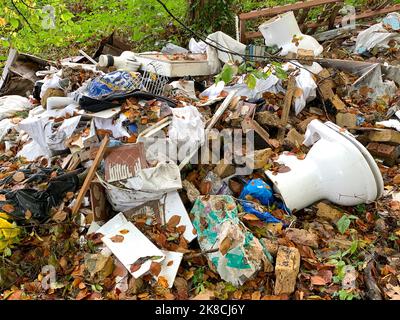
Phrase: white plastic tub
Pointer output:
(160, 64)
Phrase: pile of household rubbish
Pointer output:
(174, 170)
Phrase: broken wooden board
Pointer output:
(286, 107)
(90, 176)
(98, 201)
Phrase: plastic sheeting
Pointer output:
(187, 127)
(377, 35)
(259, 190)
(164, 177)
(240, 255)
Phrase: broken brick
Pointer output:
(286, 269)
(346, 119)
(387, 153)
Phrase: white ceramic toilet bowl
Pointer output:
(337, 168)
(280, 31)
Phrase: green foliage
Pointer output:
(198, 280)
(227, 73)
(251, 72)
(78, 23)
(210, 16)
(344, 223)
(361, 208)
(346, 295)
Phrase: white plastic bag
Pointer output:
(306, 83)
(5, 125)
(187, 126)
(9, 105)
(374, 36)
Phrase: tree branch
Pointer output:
(20, 13)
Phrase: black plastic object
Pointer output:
(39, 203)
(37, 89)
(94, 105)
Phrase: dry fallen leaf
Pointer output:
(60, 216)
(81, 286)
(225, 245)
(170, 263)
(162, 282)
(135, 267)
(318, 281)
(155, 268)
(256, 295)
(28, 214)
(181, 229)
(250, 217)
(393, 292)
(3, 197)
(174, 221)
(18, 176)
(124, 231)
(82, 294)
(63, 263)
(8, 208)
(117, 238)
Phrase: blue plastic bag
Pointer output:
(261, 191)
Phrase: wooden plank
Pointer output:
(333, 16)
(252, 35)
(267, 12)
(242, 31)
(288, 100)
(286, 106)
(89, 177)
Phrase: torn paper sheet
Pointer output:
(185, 88)
(374, 36)
(213, 91)
(115, 126)
(9, 105)
(271, 84)
(187, 127)
(169, 267)
(306, 88)
(5, 126)
(226, 43)
(174, 206)
(122, 199)
(105, 114)
(197, 46)
(35, 128)
(129, 245)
